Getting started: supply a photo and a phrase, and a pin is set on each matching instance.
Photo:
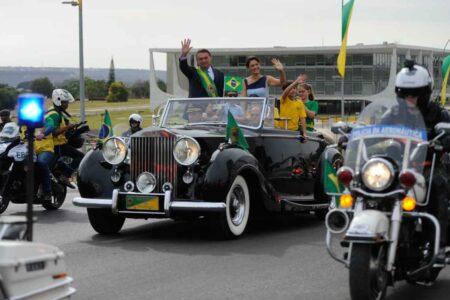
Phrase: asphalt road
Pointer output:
(163, 259)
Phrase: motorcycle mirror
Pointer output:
(341, 128)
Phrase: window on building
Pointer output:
(320, 74)
(320, 60)
(357, 88)
(367, 59)
(310, 60)
(300, 60)
(357, 60)
(367, 74)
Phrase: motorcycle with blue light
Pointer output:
(382, 229)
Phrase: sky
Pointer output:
(44, 33)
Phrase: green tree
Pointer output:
(8, 96)
(42, 86)
(112, 73)
(95, 89)
(140, 89)
(117, 92)
(73, 86)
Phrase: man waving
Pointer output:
(204, 81)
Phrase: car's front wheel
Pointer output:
(104, 221)
(233, 222)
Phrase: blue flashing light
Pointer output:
(31, 110)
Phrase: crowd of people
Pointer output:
(297, 107)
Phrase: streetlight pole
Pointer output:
(79, 3)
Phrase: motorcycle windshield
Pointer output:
(390, 133)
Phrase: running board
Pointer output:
(303, 206)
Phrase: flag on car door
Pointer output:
(234, 134)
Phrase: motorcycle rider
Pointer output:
(61, 122)
(135, 121)
(414, 85)
(5, 117)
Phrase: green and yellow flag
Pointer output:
(234, 134)
(106, 131)
(331, 183)
(233, 83)
(445, 72)
(347, 10)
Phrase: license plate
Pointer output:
(142, 203)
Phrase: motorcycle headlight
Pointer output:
(377, 174)
(146, 182)
(186, 151)
(114, 150)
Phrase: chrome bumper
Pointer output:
(169, 204)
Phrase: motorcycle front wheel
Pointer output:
(4, 202)
(59, 195)
(368, 276)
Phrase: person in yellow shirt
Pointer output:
(292, 108)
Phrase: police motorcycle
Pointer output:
(13, 153)
(381, 230)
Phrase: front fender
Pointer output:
(94, 177)
(223, 170)
(368, 226)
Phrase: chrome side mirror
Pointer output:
(341, 128)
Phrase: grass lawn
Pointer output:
(119, 111)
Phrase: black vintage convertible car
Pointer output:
(185, 167)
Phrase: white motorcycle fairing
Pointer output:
(368, 226)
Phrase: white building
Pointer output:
(370, 70)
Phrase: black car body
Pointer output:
(186, 168)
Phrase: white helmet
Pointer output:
(59, 95)
(413, 80)
(135, 117)
(10, 131)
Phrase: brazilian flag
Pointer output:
(106, 131)
(233, 83)
(445, 75)
(234, 134)
(331, 183)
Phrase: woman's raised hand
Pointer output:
(277, 64)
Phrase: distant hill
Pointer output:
(15, 75)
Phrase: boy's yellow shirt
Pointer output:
(292, 109)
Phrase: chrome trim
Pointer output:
(67, 281)
(92, 202)
(377, 195)
(180, 205)
(167, 200)
(154, 155)
(437, 238)
(115, 196)
(136, 212)
(331, 252)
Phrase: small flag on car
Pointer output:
(233, 83)
(106, 131)
(332, 185)
(234, 134)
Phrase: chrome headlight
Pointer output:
(377, 174)
(114, 150)
(186, 151)
(146, 182)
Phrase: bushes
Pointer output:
(117, 92)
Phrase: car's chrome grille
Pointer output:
(154, 155)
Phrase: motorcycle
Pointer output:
(383, 229)
(13, 153)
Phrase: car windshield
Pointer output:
(246, 111)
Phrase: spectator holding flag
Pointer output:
(204, 81)
(257, 85)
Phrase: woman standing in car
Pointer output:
(257, 84)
